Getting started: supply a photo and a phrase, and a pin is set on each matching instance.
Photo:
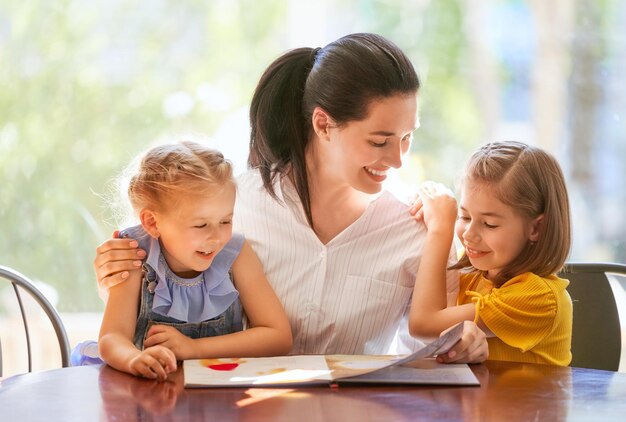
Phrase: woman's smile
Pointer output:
(377, 175)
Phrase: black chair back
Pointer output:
(597, 332)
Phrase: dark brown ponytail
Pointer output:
(341, 78)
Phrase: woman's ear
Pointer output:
(535, 228)
(149, 222)
(321, 122)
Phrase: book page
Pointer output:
(438, 346)
(342, 366)
(306, 369)
(272, 371)
(427, 372)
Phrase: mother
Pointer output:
(342, 254)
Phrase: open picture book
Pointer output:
(329, 369)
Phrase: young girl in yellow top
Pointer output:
(184, 304)
(514, 224)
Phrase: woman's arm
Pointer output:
(269, 333)
(117, 331)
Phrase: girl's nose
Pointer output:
(470, 233)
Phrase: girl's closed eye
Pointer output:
(490, 226)
(227, 222)
(200, 226)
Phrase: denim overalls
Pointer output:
(228, 322)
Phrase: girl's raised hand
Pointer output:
(416, 208)
(154, 363)
(439, 207)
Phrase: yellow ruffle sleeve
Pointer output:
(521, 313)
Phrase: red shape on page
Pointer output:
(224, 366)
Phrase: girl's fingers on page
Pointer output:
(471, 348)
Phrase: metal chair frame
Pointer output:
(19, 280)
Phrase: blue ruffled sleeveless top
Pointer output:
(192, 300)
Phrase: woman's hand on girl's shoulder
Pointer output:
(114, 260)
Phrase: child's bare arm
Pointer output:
(429, 313)
(117, 331)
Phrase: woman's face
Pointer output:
(361, 152)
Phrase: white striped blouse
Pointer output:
(349, 295)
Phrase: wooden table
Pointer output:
(508, 392)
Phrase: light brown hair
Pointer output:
(529, 180)
(171, 172)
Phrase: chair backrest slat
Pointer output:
(21, 282)
(25, 322)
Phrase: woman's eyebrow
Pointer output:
(382, 133)
(386, 133)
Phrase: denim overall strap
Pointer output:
(145, 306)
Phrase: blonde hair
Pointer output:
(168, 173)
(529, 180)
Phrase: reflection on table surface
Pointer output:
(508, 391)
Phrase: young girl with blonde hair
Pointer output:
(186, 301)
(514, 224)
